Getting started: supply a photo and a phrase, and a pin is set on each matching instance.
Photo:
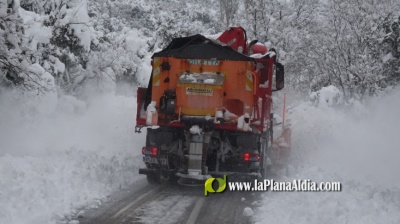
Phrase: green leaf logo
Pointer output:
(209, 188)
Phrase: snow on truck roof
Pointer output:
(200, 47)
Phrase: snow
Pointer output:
(202, 78)
(3, 8)
(208, 116)
(195, 129)
(387, 57)
(188, 78)
(151, 111)
(229, 115)
(357, 146)
(327, 96)
(258, 55)
(35, 31)
(213, 36)
(78, 19)
(57, 64)
(264, 85)
(71, 105)
(219, 114)
(54, 160)
(241, 124)
(209, 81)
(173, 205)
(144, 70)
(134, 41)
(73, 155)
(47, 100)
(248, 211)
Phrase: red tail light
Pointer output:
(251, 157)
(246, 156)
(154, 151)
(150, 151)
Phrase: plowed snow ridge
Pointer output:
(55, 160)
(357, 146)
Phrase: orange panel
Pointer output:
(198, 99)
(203, 99)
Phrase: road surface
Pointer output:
(170, 203)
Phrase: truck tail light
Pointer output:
(154, 151)
(253, 157)
(150, 151)
(246, 156)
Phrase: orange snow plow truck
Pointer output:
(207, 109)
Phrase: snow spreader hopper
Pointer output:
(207, 109)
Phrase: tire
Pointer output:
(150, 178)
(154, 178)
(172, 179)
(264, 169)
(264, 156)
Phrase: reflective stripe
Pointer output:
(156, 71)
(249, 82)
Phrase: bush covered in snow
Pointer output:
(327, 96)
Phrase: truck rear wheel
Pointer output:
(264, 171)
(264, 165)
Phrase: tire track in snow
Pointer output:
(174, 204)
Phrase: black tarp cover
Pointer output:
(200, 47)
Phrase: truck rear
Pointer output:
(207, 109)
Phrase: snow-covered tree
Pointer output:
(352, 45)
(11, 33)
(347, 47)
(391, 50)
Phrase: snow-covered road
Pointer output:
(171, 203)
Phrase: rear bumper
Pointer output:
(143, 171)
(147, 171)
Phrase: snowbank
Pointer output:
(75, 154)
(358, 147)
(327, 96)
